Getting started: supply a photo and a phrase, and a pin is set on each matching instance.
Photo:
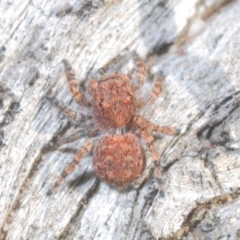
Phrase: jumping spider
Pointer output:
(118, 159)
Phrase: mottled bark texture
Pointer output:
(194, 44)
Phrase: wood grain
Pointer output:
(194, 44)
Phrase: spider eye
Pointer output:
(100, 104)
(129, 99)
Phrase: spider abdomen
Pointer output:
(119, 159)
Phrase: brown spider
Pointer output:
(118, 159)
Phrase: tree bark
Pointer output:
(194, 44)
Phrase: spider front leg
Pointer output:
(153, 95)
(140, 73)
(149, 126)
(74, 87)
(140, 76)
(156, 159)
(81, 153)
(156, 90)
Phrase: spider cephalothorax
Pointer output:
(118, 158)
(114, 104)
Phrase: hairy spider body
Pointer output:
(118, 158)
(114, 104)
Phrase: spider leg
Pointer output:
(74, 87)
(81, 153)
(156, 90)
(148, 98)
(140, 73)
(140, 76)
(145, 124)
(69, 113)
(92, 86)
(56, 143)
(73, 137)
(156, 159)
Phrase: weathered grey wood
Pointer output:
(195, 44)
(219, 221)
